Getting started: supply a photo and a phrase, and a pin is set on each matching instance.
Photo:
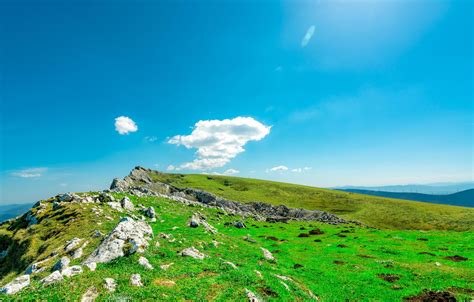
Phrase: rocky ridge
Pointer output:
(139, 183)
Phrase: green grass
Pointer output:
(374, 211)
(364, 254)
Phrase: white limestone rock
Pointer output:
(127, 204)
(71, 271)
(145, 263)
(267, 255)
(52, 278)
(128, 237)
(72, 244)
(136, 280)
(193, 253)
(110, 284)
(61, 264)
(16, 285)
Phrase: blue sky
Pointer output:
(324, 93)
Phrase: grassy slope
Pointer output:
(374, 211)
(356, 279)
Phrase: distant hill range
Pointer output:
(13, 210)
(463, 198)
(433, 188)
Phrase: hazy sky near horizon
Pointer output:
(324, 93)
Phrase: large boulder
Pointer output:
(52, 278)
(193, 253)
(129, 236)
(119, 185)
(127, 204)
(16, 285)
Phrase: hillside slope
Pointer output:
(464, 198)
(374, 211)
(312, 261)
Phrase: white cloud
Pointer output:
(231, 171)
(307, 168)
(297, 170)
(278, 168)
(151, 139)
(30, 173)
(171, 168)
(219, 141)
(307, 37)
(125, 125)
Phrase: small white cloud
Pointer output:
(151, 139)
(30, 173)
(278, 168)
(219, 141)
(307, 168)
(231, 171)
(307, 37)
(297, 170)
(171, 168)
(125, 125)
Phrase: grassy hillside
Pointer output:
(374, 211)
(344, 262)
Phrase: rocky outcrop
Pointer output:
(128, 237)
(71, 271)
(140, 183)
(16, 285)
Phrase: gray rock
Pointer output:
(52, 278)
(16, 285)
(56, 205)
(77, 253)
(106, 197)
(72, 244)
(115, 205)
(127, 237)
(37, 267)
(119, 185)
(267, 255)
(90, 295)
(150, 212)
(193, 253)
(251, 296)
(136, 280)
(71, 271)
(66, 197)
(239, 225)
(91, 266)
(61, 264)
(127, 204)
(145, 263)
(199, 219)
(110, 284)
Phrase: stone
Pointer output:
(90, 295)
(77, 253)
(251, 296)
(198, 219)
(145, 263)
(128, 237)
(71, 271)
(71, 244)
(267, 255)
(119, 185)
(66, 197)
(150, 212)
(52, 278)
(61, 264)
(16, 285)
(193, 253)
(127, 204)
(110, 284)
(91, 266)
(231, 264)
(166, 266)
(239, 225)
(106, 197)
(115, 205)
(56, 205)
(136, 280)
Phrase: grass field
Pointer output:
(377, 212)
(345, 262)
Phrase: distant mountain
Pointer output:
(13, 210)
(464, 198)
(434, 188)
